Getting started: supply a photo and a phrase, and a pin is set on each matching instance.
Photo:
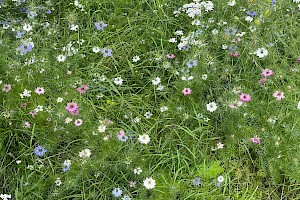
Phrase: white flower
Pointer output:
(126, 197)
(296, 1)
(86, 153)
(148, 115)
(149, 183)
(204, 76)
(160, 87)
(231, 3)
(261, 52)
(67, 163)
(61, 58)
(211, 107)
(156, 81)
(118, 81)
(220, 145)
(58, 182)
(137, 170)
(101, 128)
(298, 107)
(73, 27)
(18, 162)
(5, 196)
(68, 120)
(59, 100)
(179, 32)
(209, 6)
(215, 32)
(27, 27)
(249, 19)
(96, 49)
(220, 179)
(196, 22)
(135, 58)
(136, 120)
(144, 139)
(172, 40)
(163, 109)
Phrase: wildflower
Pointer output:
(170, 56)
(220, 145)
(86, 153)
(149, 183)
(39, 90)
(59, 100)
(117, 192)
(144, 139)
(100, 26)
(58, 182)
(245, 97)
(132, 184)
(24, 48)
(101, 128)
(27, 27)
(255, 140)
(96, 49)
(262, 80)
(82, 89)
(187, 91)
(135, 58)
(137, 170)
(126, 197)
(27, 125)
(172, 40)
(160, 87)
(5, 196)
(231, 2)
(39, 151)
(279, 95)
(211, 107)
(261, 52)
(78, 122)
(220, 179)
(122, 137)
(298, 106)
(156, 81)
(61, 58)
(196, 181)
(267, 72)
(148, 115)
(235, 104)
(298, 59)
(163, 109)
(71, 107)
(106, 52)
(118, 81)
(6, 88)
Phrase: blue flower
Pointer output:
(117, 192)
(106, 52)
(66, 168)
(39, 151)
(100, 26)
(196, 181)
(25, 48)
(251, 14)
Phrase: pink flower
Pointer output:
(33, 113)
(27, 124)
(298, 59)
(39, 90)
(170, 56)
(71, 107)
(75, 112)
(78, 122)
(278, 95)
(245, 97)
(236, 54)
(6, 87)
(23, 105)
(82, 89)
(267, 72)
(121, 134)
(255, 140)
(186, 91)
(262, 80)
(235, 104)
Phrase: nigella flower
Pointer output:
(66, 168)
(196, 181)
(40, 150)
(106, 52)
(251, 14)
(117, 192)
(191, 64)
(25, 48)
(100, 26)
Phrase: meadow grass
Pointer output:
(159, 99)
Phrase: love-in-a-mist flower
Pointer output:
(39, 90)
(245, 97)
(279, 95)
(6, 88)
(144, 139)
(298, 59)
(170, 56)
(85, 153)
(40, 151)
(82, 89)
(5, 196)
(78, 122)
(187, 91)
(100, 25)
(262, 80)
(122, 137)
(261, 52)
(117, 192)
(267, 72)
(71, 107)
(149, 183)
(255, 140)
(211, 107)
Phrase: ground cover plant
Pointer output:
(149, 99)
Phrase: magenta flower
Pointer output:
(267, 72)
(71, 107)
(187, 91)
(262, 80)
(75, 112)
(279, 95)
(255, 140)
(39, 90)
(236, 54)
(78, 122)
(245, 97)
(298, 59)
(82, 89)
(6, 87)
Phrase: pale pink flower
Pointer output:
(298, 59)
(6, 87)
(75, 112)
(186, 91)
(27, 124)
(235, 104)
(236, 54)
(262, 80)
(279, 95)
(39, 90)
(170, 56)
(255, 140)
(33, 113)
(82, 89)
(23, 105)
(71, 107)
(245, 97)
(121, 134)
(78, 122)
(267, 72)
